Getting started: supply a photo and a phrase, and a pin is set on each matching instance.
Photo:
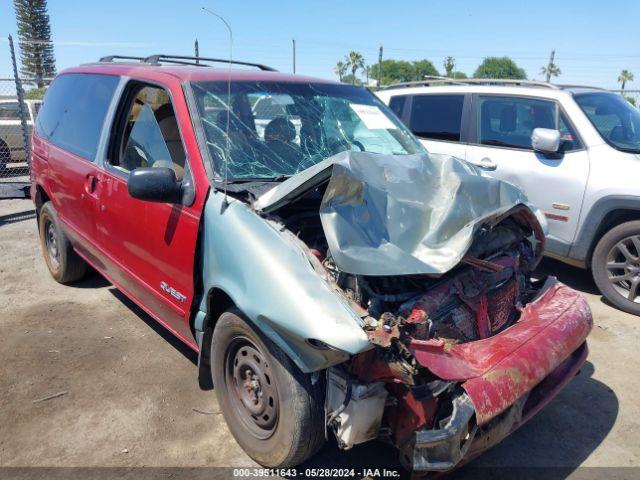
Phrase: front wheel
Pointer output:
(616, 266)
(273, 410)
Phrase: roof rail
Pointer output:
(157, 59)
(430, 80)
(588, 87)
(111, 58)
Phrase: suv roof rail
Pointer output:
(587, 87)
(430, 80)
(159, 58)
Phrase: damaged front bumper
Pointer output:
(461, 439)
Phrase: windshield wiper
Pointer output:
(277, 178)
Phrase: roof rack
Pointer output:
(566, 86)
(158, 59)
(430, 80)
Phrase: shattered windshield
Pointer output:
(278, 129)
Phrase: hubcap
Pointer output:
(251, 387)
(52, 244)
(623, 268)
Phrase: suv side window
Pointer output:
(9, 111)
(510, 121)
(437, 117)
(74, 110)
(150, 136)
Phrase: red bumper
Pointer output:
(497, 371)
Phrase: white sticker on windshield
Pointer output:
(372, 116)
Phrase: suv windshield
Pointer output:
(279, 129)
(615, 119)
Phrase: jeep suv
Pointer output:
(575, 151)
(333, 277)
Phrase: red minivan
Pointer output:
(333, 276)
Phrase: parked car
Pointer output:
(573, 150)
(11, 132)
(339, 281)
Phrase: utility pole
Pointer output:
(379, 66)
(294, 54)
(197, 49)
(550, 65)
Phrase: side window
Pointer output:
(396, 104)
(437, 116)
(509, 121)
(9, 111)
(149, 135)
(74, 110)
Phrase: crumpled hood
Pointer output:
(398, 214)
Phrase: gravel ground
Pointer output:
(128, 394)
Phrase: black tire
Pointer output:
(63, 262)
(616, 266)
(272, 385)
(5, 156)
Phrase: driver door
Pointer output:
(149, 247)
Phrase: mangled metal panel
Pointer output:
(398, 214)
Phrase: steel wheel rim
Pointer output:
(623, 268)
(51, 241)
(251, 387)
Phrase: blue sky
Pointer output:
(593, 40)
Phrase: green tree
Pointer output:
(355, 62)
(35, 93)
(624, 77)
(395, 71)
(499, 67)
(340, 69)
(423, 68)
(449, 64)
(551, 70)
(34, 39)
(631, 100)
(458, 75)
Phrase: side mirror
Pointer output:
(545, 140)
(155, 185)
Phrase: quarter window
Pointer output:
(150, 136)
(74, 110)
(438, 117)
(510, 121)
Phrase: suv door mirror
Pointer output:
(155, 184)
(545, 140)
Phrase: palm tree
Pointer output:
(449, 64)
(340, 69)
(625, 76)
(354, 61)
(551, 70)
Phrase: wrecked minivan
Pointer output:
(333, 277)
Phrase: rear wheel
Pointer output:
(273, 410)
(63, 262)
(616, 266)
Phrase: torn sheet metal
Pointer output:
(398, 214)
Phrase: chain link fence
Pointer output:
(17, 116)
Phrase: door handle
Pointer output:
(91, 185)
(485, 163)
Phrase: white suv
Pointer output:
(11, 135)
(575, 151)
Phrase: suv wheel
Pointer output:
(63, 262)
(273, 410)
(616, 266)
